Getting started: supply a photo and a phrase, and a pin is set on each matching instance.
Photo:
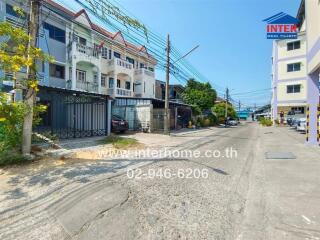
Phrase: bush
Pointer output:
(265, 122)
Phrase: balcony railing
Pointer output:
(120, 92)
(142, 71)
(87, 86)
(121, 63)
(90, 51)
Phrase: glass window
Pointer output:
(293, 67)
(12, 12)
(116, 54)
(293, 45)
(56, 71)
(293, 88)
(103, 80)
(111, 82)
(55, 33)
(104, 53)
(130, 60)
(81, 75)
(128, 85)
(118, 83)
(141, 65)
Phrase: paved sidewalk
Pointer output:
(283, 201)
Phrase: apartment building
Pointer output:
(92, 66)
(296, 71)
(289, 90)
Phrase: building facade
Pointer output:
(295, 72)
(289, 81)
(91, 68)
(88, 57)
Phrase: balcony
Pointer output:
(119, 92)
(120, 66)
(83, 53)
(87, 86)
(143, 72)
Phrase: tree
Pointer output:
(220, 110)
(201, 96)
(16, 53)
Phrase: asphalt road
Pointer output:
(170, 197)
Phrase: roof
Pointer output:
(101, 30)
(281, 18)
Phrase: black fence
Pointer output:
(73, 114)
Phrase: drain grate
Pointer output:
(280, 155)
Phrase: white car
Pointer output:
(302, 125)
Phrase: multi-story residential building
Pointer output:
(88, 59)
(296, 70)
(289, 76)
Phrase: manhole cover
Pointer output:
(280, 155)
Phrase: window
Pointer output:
(293, 88)
(104, 53)
(116, 54)
(81, 76)
(95, 78)
(118, 83)
(82, 40)
(111, 82)
(293, 67)
(141, 65)
(151, 69)
(293, 45)
(110, 55)
(56, 71)
(297, 110)
(130, 60)
(128, 85)
(103, 80)
(55, 33)
(12, 12)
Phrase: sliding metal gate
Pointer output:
(72, 114)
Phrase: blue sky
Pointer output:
(233, 50)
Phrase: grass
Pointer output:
(120, 142)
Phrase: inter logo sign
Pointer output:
(282, 26)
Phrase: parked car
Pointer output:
(302, 125)
(232, 122)
(118, 124)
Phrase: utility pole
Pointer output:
(226, 112)
(166, 105)
(239, 106)
(29, 98)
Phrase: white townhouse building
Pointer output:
(87, 56)
(92, 68)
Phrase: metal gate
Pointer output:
(138, 117)
(73, 114)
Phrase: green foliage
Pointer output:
(206, 121)
(265, 122)
(11, 122)
(220, 111)
(201, 96)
